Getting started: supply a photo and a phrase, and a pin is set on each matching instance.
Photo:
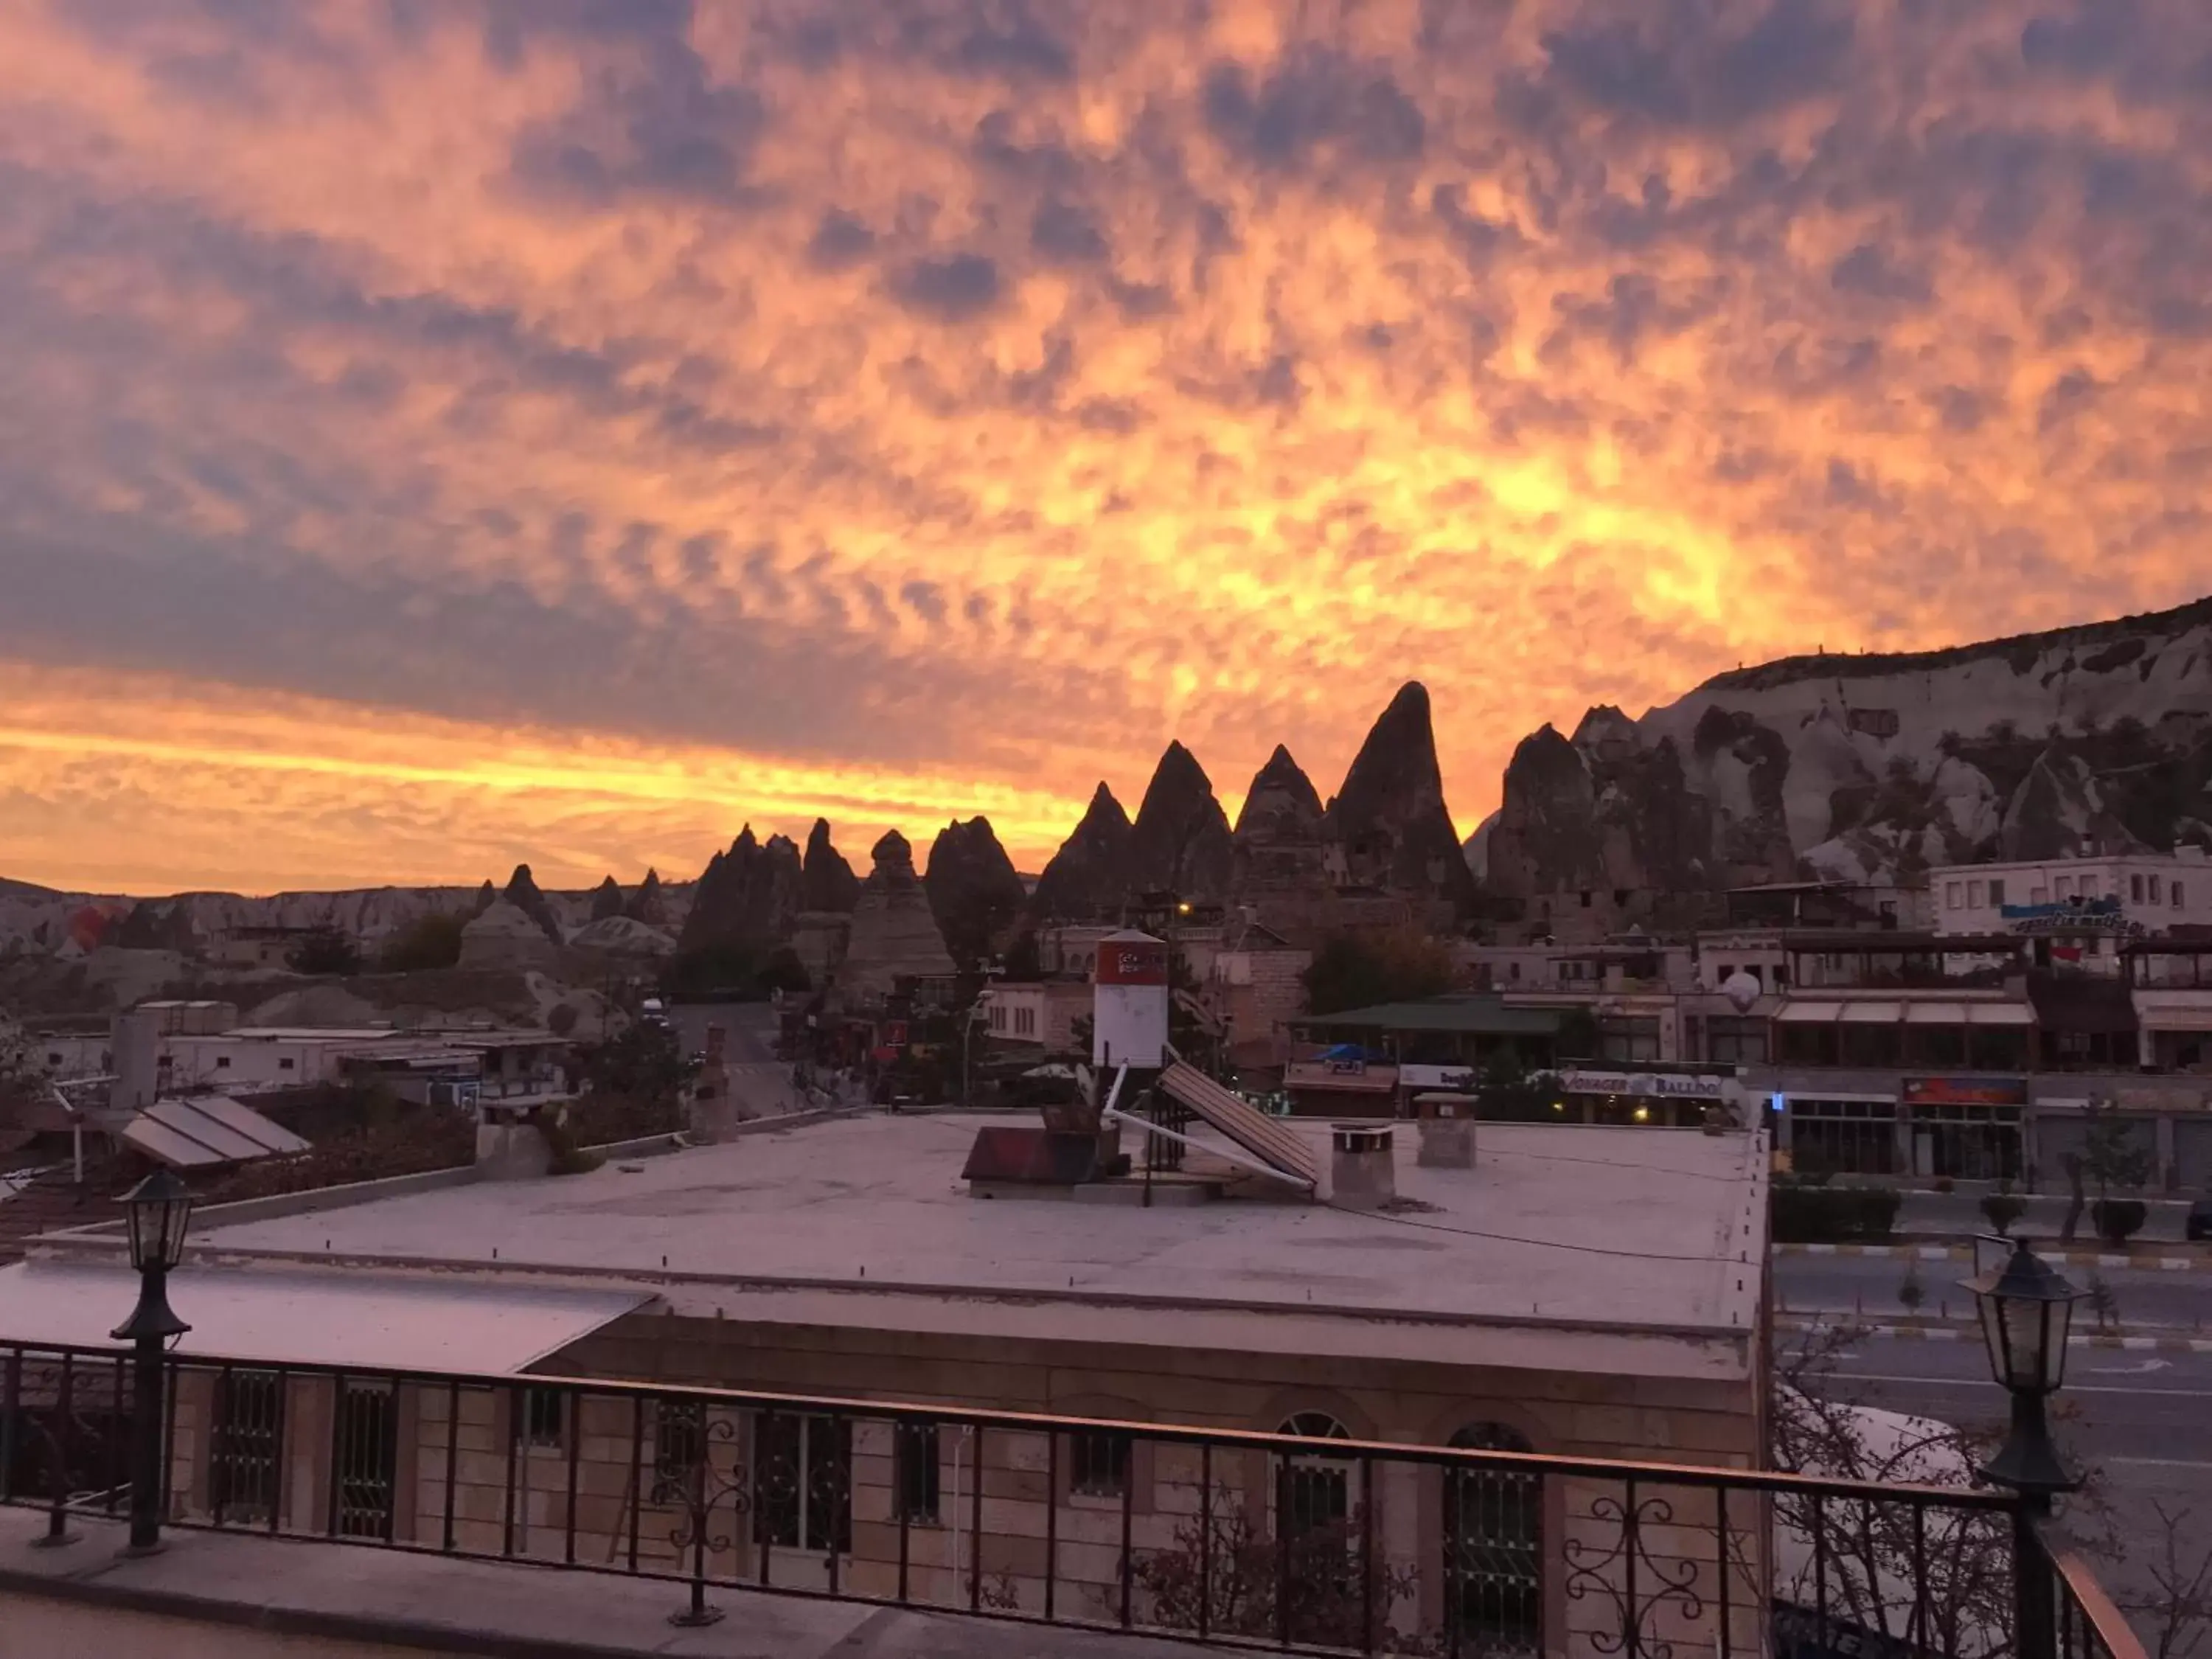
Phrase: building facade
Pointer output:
(2129, 896)
(997, 1305)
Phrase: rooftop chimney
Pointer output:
(137, 1041)
(1365, 1175)
(1447, 1131)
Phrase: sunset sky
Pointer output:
(433, 434)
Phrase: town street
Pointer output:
(2142, 1422)
(2150, 1300)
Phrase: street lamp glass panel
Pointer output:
(2025, 1361)
(2058, 1321)
(160, 1210)
(2026, 1311)
(1993, 1338)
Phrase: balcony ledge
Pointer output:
(98, 1601)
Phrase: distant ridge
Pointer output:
(2020, 649)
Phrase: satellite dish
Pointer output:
(1741, 990)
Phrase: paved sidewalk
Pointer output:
(2173, 1258)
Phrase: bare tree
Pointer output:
(1230, 1577)
(2176, 1611)
(1938, 1578)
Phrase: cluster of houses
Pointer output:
(186, 1085)
(1968, 1029)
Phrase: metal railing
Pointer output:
(1304, 1540)
(2088, 1625)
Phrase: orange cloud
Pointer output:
(560, 431)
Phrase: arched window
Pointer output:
(1493, 1536)
(1312, 1492)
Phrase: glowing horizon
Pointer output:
(440, 438)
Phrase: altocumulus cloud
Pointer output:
(751, 409)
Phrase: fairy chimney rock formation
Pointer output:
(606, 899)
(522, 892)
(975, 891)
(1278, 839)
(1180, 842)
(1388, 825)
(827, 881)
(894, 935)
(646, 904)
(748, 896)
(1089, 878)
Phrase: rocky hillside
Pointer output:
(41, 922)
(2082, 740)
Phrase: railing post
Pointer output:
(2035, 1625)
(147, 1421)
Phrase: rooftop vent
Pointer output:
(1365, 1175)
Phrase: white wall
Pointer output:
(1969, 898)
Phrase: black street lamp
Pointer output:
(2026, 1307)
(159, 1210)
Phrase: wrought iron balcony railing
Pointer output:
(1305, 1540)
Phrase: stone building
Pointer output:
(842, 1261)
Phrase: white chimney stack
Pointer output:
(1365, 1174)
(136, 1039)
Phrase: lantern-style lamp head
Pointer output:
(159, 1210)
(2027, 1308)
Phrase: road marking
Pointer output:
(1957, 1331)
(2157, 1463)
(1984, 1382)
(2144, 1369)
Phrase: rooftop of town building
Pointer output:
(1652, 1240)
(1484, 1013)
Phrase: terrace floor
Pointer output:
(204, 1590)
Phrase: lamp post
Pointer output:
(2026, 1307)
(159, 1210)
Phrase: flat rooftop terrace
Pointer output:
(867, 1220)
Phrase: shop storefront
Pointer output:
(1968, 1128)
(1666, 1100)
(1842, 1133)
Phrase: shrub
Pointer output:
(431, 941)
(1944, 1183)
(1910, 1292)
(2118, 1220)
(405, 1139)
(604, 1116)
(569, 1158)
(2002, 1209)
(326, 948)
(1832, 1215)
(1357, 971)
